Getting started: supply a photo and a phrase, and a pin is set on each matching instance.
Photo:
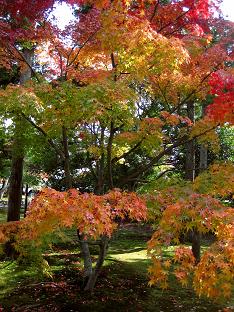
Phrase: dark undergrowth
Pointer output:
(122, 286)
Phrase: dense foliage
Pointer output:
(129, 92)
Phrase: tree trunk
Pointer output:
(15, 183)
(203, 158)
(100, 166)
(109, 155)
(26, 200)
(190, 163)
(196, 245)
(190, 149)
(203, 151)
(96, 271)
(88, 268)
(67, 170)
(15, 189)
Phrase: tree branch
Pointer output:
(80, 48)
(174, 21)
(115, 159)
(166, 151)
(58, 151)
(155, 10)
(195, 90)
(24, 59)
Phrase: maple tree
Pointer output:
(95, 216)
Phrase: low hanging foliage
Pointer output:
(217, 181)
(213, 276)
(52, 210)
(201, 213)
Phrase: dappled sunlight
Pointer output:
(131, 256)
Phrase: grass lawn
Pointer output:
(122, 286)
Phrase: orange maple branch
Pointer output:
(173, 22)
(80, 48)
(155, 10)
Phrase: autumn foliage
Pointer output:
(200, 213)
(93, 215)
(119, 80)
(222, 88)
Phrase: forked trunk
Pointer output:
(103, 246)
(91, 273)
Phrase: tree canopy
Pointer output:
(131, 97)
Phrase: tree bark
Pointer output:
(203, 162)
(26, 200)
(196, 245)
(109, 155)
(88, 268)
(100, 166)
(203, 158)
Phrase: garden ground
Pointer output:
(122, 286)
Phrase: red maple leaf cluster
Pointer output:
(222, 87)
